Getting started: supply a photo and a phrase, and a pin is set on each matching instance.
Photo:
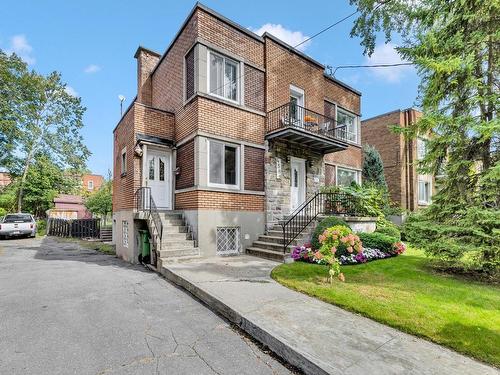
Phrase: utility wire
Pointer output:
(369, 66)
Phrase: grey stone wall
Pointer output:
(277, 185)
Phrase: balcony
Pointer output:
(297, 124)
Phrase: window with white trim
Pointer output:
(223, 77)
(123, 165)
(125, 233)
(346, 176)
(90, 185)
(223, 164)
(350, 121)
(421, 148)
(424, 192)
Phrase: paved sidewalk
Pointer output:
(312, 335)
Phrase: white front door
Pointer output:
(298, 182)
(158, 178)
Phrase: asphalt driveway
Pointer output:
(66, 310)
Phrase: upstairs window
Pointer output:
(350, 122)
(90, 185)
(223, 77)
(421, 148)
(189, 74)
(123, 165)
(223, 164)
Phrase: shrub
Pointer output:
(386, 227)
(339, 240)
(41, 227)
(378, 241)
(328, 222)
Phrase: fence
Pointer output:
(81, 228)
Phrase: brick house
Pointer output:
(407, 187)
(92, 182)
(229, 133)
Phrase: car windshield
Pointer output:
(18, 218)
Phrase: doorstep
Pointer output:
(314, 336)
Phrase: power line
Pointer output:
(369, 66)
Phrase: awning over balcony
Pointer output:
(296, 124)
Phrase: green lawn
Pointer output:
(404, 293)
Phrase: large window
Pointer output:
(223, 164)
(350, 122)
(346, 177)
(424, 192)
(223, 77)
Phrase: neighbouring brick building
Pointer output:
(407, 187)
(229, 133)
(92, 182)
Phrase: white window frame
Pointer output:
(123, 161)
(238, 77)
(238, 153)
(356, 172)
(125, 233)
(90, 185)
(356, 123)
(429, 192)
(421, 148)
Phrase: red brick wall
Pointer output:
(329, 175)
(185, 163)
(254, 88)
(97, 180)
(154, 122)
(201, 199)
(254, 168)
(146, 61)
(352, 157)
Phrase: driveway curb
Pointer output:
(276, 344)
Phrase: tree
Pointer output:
(47, 119)
(13, 73)
(373, 167)
(100, 202)
(44, 181)
(454, 46)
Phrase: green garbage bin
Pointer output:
(145, 247)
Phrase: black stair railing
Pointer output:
(319, 204)
(144, 202)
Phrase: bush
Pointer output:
(339, 240)
(328, 222)
(386, 227)
(378, 241)
(41, 227)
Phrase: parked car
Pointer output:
(17, 225)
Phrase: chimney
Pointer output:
(146, 62)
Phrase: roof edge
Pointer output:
(391, 112)
(141, 48)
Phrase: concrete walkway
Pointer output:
(315, 336)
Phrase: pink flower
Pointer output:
(318, 255)
(341, 277)
(321, 238)
(334, 249)
(350, 249)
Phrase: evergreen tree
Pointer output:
(373, 167)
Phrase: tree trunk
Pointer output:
(23, 180)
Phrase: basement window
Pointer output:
(228, 240)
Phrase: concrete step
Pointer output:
(172, 222)
(179, 252)
(270, 246)
(179, 236)
(171, 215)
(168, 243)
(267, 254)
(175, 229)
(274, 239)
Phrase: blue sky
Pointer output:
(92, 44)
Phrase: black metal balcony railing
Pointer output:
(294, 116)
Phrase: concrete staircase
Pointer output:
(177, 242)
(106, 234)
(270, 245)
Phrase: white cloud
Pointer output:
(92, 68)
(71, 91)
(20, 46)
(288, 36)
(386, 54)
